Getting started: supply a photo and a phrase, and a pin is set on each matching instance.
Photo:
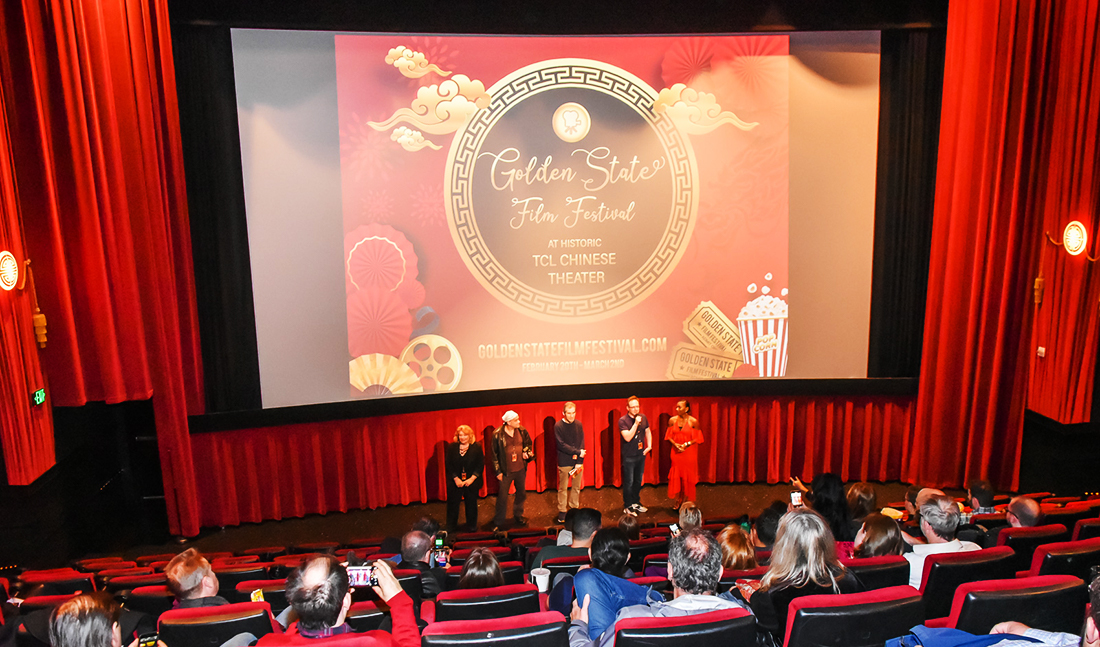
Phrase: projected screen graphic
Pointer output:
(534, 211)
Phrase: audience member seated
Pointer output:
(88, 620)
(980, 497)
(694, 569)
(878, 536)
(690, 516)
(605, 584)
(862, 501)
(192, 581)
(481, 570)
(737, 551)
(826, 496)
(416, 546)
(1031, 636)
(565, 537)
(628, 523)
(318, 592)
(765, 527)
(425, 524)
(585, 524)
(939, 517)
(1021, 512)
(804, 562)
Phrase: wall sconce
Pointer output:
(9, 271)
(9, 280)
(1075, 239)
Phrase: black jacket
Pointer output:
(500, 461)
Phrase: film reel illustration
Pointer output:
(436, 360)
(378, 375)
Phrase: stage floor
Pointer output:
(715, 501)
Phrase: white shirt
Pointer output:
(921, 551)
(1049, 639)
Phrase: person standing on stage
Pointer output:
(512, 450)
(569, 435)
(637, 441)
(684, 434)
(464, 462)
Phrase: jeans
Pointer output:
(574, 493)
(520, 479)
(633, 470)
(607, 596)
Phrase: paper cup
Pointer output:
(764, 344)
(542, 579)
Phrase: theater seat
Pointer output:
(266, 553)
(991, 520)
(153, 600)
(61, 582)
(126, 583)
(724, 627)
(512, 571)
(730, 576)
(642, 548)
(274, 593)
(458, 557)
(1048, 602)
(526, 532)
(230, 576)
(853, 619)
(235, 561)
(544, 629)
(946, 572)
(879, 572)
(146, 560)
(483, 604)
(657, 561)
(567, 565)
(476, 543)
(475, 536)
(365, 616)
(369, 639)
(1065, 558)
(1086, 529)
(212, 626)
(1024, 541)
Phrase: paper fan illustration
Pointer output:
(378, 322)
(378, 256)
(686, 59)
(436, 360)
(412, 293)
(378, 375)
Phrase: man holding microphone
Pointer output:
(637, 441)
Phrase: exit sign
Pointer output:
(39, 397)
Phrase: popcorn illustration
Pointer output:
(763, 324)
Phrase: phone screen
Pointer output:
(147, 640)
(674, 529)
(362, 576)
(796, 498)
(440, 556)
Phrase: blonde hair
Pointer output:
(469, 432)
(185, 573)
(804, 552)
(738, 552)
(690, 516)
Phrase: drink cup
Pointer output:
(542, 579)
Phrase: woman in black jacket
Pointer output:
(464, 462)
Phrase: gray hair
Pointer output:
(942, 515)
(696, 561)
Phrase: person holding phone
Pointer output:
(685, 436)
(636, 443)
(464, 462)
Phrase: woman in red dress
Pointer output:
(684, 434)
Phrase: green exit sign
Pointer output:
(39, 397)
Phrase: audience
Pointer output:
(878, 536)
(939, 517)
(766, 525)
(192, 581)
(1021, 512)
(803, 562)
(911, 500)
(318, 592)
(88, 620)
(737, 551)
(690, 516)
(628, 523)
(694, 569)
(565, 537)
(416, 546)
(604, 583)
(481, 570)
(826, 496)
(980, 496)
(585, 524)
(862, 501)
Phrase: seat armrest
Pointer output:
(938, 623)
(427, 611)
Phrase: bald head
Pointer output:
(926, 495)
(1023, 512)
(318, 591)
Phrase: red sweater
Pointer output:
(405, 632)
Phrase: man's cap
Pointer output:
(510, 415)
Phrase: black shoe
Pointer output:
(561, 517)
(520, 521)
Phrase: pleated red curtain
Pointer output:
(1003, 61)
(99, 172)
(291, 471)
(1066, 321)
(26, 431)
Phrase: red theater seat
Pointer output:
(1024, 541)
(568, 565)
(659, 531)
(154, 600)
(725, 627)
(992, 520)
(230, 576)
(474, 536)
(729, 575)
(458, 557)
(365, 616)
(544, 629)
(326, 547)
(519, 533)
(147, 560)
(1074, 558)
(274, 593)
(1060, 500)
(483, 604)
(853, 619)
(1049, 602)
(879, 572)
(642, 548)
(266, 553)
(1086, 529)
(60, 582)
(128, 582)
(235, 561)
(946, 572)
(476, 543)
(513, 574)
(212, 626)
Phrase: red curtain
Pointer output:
(986, 238)
(26, 431)
(1066, 321)
(99, 170)
(273, 473)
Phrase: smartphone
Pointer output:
(674, 529)
(796, 498)
(362, 576)
(439, 553)
(147, 640)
